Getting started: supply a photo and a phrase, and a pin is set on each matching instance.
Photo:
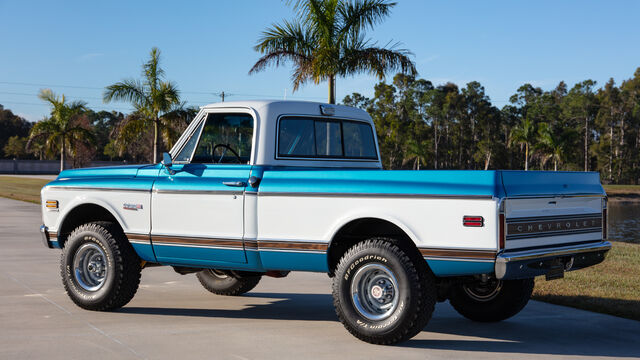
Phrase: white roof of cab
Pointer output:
(267, 113)
(292, 106)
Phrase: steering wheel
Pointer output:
(226, 147)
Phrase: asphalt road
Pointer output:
(172, 317)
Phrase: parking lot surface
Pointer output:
(173, 317)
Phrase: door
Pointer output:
(197, 215)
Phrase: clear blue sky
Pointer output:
(78, 47)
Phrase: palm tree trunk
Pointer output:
(155, 139)
(526, 157)
(487, 161)
(332, 89)
(62, 153)
(555, 165)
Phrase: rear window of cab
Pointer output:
(305, 137)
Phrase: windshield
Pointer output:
(225, 138)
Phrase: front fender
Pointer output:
(79, 200)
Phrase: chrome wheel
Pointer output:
(483, 291)
(90, 267)
(217, 273)
(374, 292)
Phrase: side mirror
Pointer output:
(167, 161)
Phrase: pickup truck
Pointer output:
(262, 188)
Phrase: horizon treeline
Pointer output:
(578, 128)
(423, 126)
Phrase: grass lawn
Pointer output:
(613, 190)
(612, 287)
(21, 188)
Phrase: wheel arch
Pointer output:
(362, 228)
(82, 213)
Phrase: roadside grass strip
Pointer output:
(21, 188)
(612, 287)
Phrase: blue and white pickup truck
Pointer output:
(262, 188)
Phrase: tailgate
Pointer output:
(552, 208)
(552, 221)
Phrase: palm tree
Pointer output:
(553, 145)
(524, 134)
(151, 98)
(327, 40)
(62, 127)
(418, 152)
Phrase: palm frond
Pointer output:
(166, 96)
(320, 15)
(152, 71)
(127, 90)
(277, 58)
(42, 129)
(290, 36)
(82, 134)
(376, 61)
(130, 129)
(49, 96)
(361, 15)
(77, 106)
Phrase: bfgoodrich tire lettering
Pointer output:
(121, 273)
(221, 283)
(488, 305)
(390, 274)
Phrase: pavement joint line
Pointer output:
(89, 324)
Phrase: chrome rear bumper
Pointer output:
(530, 263)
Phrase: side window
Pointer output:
(296, 138)
(358, 140)
(328, 138)
(322, 138)
(226, 138)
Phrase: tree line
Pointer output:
(74, 131)
(419, 126)
(582, 128)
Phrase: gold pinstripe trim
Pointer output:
(180, 240)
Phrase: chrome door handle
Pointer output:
(235, 183)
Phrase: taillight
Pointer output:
(502, 236)
(473, 221)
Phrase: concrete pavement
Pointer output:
(173, 317)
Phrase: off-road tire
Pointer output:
(122, 272)
(510, 300)
(227, 284)
(416, 292)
